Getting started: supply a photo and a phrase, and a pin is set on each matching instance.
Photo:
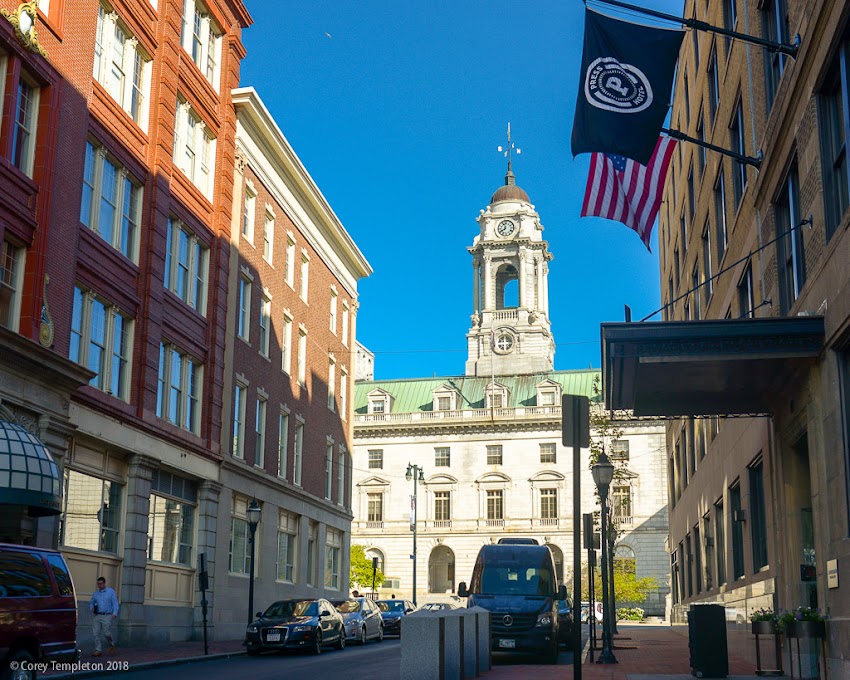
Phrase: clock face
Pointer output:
(505, 228)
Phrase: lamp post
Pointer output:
(603, 474)
(254, 511)
(415, 473)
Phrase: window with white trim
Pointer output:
(302, 357)
(260, 432)
(111, 201)
(186, 266)
(265, 324)
(25, 124)
(345, 313)
(11, 280)
(282, 443)
(201, 39)
(548, 503)
(334, 301)
(287, 540)
(329, 460)
(376, 459)
(548, 452)
(375, 507)
(239, 400)
(343, 394)
(102, 341)
(332, 383)
(495, 504)
(494, 454)
(442, 456)
(194, 148)
(340, 477)
(333, 553)
(290, 261)
(305, 274)
(249, 211)
(286, 349)
(268, 236)
(179, 388)
(122, 66)
(299, 449)
(240, 538)
(243, 325)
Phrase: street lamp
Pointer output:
(415, 473)
(603, 474)
(254, 511)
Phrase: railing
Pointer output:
(374, 525)
(506, 315)
(547, 522)
(442, 524)
(466, 414)
(495, 522)
(620, 519)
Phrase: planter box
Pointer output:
(806, 629)
(764, 628)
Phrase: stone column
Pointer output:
(522, 278)
(56, 435)
(131, 624)
(208, 497)
(476, 272)
(488, 285)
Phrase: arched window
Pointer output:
(374, 552)
(624, 559)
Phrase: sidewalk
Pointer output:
(644, 652)
(139, 658)
(652, 651)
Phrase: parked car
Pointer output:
(585, 611)
(565, 621)
(38, 609)
(437, 606)
(392, 612)
(296, 624)
(362, 619)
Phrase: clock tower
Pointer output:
(511, 333)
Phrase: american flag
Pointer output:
(623, 190)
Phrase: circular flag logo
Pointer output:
(617, 87)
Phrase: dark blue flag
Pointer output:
(625, 85)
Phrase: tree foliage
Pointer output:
(629, 590)
(361, 569)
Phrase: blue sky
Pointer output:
(396, 108)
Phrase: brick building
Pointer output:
(751, 359)
(119, 182)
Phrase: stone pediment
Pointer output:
(373, 481)
(493, 478)
(547, 476)
(441, 479)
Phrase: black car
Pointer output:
(565, 621)
(296, 624)
(391, 613)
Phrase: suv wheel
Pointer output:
(20, 657)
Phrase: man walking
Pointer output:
(104, 609)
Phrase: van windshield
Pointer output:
(510, 579)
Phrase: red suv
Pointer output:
(38, 609)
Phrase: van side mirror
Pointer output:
(562, 592)
(461, 589)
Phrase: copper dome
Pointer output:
(509, 191)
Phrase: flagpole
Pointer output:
(746, 257)
(748, 160)
(790, 50)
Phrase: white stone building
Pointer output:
(489, 442)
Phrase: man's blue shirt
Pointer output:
(106, 601)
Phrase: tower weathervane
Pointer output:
(507, 151)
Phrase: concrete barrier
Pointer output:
(445, 645)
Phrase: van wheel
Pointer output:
(20, 657)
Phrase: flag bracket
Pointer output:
(790, 50)
(747, 160)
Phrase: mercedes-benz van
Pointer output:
(517, 584)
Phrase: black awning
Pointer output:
(712, 367)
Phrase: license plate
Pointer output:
(273, 637)
(507, 644)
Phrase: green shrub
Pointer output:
(630, 614)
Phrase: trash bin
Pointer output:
(707, 641)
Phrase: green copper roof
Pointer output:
(416, 394)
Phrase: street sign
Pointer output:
(575, 420)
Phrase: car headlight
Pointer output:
(253, 629)
(301, 629)
(544, 620)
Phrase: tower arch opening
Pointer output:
(507, 287)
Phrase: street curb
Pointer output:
(148, 665)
